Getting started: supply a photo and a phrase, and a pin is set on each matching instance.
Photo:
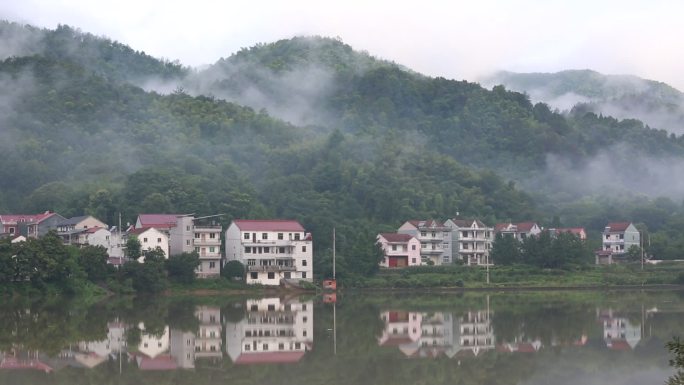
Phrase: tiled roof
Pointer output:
(430, 223)
(72, 221)
(525, 226)
(268, 225)
(17, 364)
(23, 218)
(502, 226)
(396, 238)
(158, 220)
(140, 230)
(94, 229)
(269, 357)
(618, 226)
(468, 222)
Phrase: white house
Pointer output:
(274, 331)
(271, 250)
(519, 231)
(617, 237)
(471, 240)
(151, 238)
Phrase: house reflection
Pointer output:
(274, 330)
(422, 334)
(619, 332)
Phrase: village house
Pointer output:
(399, 250)
(151, 238)
(471, 240)
(29, 225)
(72, 230)
(617, 238)
(519, 231)
(187, 234)
(576, 231)
(271, 250)
(434, 238)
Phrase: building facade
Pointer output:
(519, 231)
(151, 238)
(471, 240)
(617, 239)
(399, 250)
(434, 238)
(271, 250)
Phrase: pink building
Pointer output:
(400, 250)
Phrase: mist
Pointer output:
(602, 175)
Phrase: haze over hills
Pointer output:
(306, 128)
(622, 96)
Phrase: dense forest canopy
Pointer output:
(307, 128)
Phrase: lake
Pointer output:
(543, 337)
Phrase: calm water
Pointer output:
(426, 338)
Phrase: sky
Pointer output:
(454, 39)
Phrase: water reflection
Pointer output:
(506, 338)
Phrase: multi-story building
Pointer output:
(474, 333)
(79, 223)
(270, 250)
(619, 333)
(519, 231)
(274, 331)
(434, 238)
(400, 250)
(151, 238)
(471, 240)
(618, 237)
(187, 234)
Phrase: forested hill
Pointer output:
(622, 96)
(320, 81)
(330, 136)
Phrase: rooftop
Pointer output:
(268, 225)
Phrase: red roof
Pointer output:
(502, 226)
(14, 363)
(269, 358)
(618, 226)
(93, 229)
(573, 230)
(163, 362)
(618, 345)
(525, 227)
(268, 225)
(17, 218)
(396, 238)
(163, 221)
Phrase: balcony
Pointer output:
(206, 241)
(213, 229)
(273, 265)
(431, 251)
(268, 242)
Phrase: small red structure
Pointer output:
(329, 284)
(330, 298)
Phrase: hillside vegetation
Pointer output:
(305, 128)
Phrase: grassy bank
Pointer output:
(521, 276)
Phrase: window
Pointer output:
(445, 245)
(281, 250)
(248, 250)
(298, 345)
(271, 275)
(303, 249)
(413, 260)
(246, 236)
(296, 236)
(433, 234)
(145, 240)
(305, 318)
(254, 308)
(247, 347)
(267, 249)
(271, 307)
(212, 236)
(212, 249)
(280, 236)
(158, 240)
(264, 235)
(394, 247)
(212, 265)
(303, 262)
(423, 234)
(197, 235)
(254, 275)
(281, 346)
(197, 249)
(264, 347)
(304, 333)
(413, 247)
(11, 230)
(288, 275)
(464, 234)
(303, 274)
(187, 228)
(303, 306)
(465, 246)
(187, 242)
(423, 245)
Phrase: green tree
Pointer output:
(93, 261)
(133, 247)
(181, 267)
(233, 270)
(505, 250)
